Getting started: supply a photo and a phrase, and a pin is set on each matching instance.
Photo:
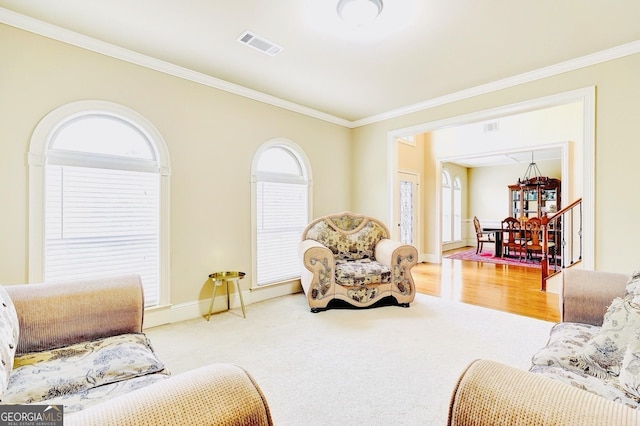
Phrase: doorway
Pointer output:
(580, 156)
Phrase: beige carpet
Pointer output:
(382, 366)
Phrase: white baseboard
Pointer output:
(199, 308)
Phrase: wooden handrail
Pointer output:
(553, 220)
(562, 211)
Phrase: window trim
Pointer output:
(305, 164)
(39, 145)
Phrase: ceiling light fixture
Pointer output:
(359, 12)
(532, 176)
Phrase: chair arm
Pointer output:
(587, 294)
(490, 393)
(390, 253)
(319, 268)
(217, 394)
(56, 315)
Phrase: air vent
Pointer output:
(491, 127)
(259, 43)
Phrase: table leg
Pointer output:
(244, 314)
(213, 298)
(498, 245)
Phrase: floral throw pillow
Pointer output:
(602, 355)
(9, 331)
(630, 370)
(633, 285)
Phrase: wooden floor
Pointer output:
(508, 288)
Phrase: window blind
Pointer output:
(281, 217)
(102, 222)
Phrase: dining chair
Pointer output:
(482, 236)
(533, 234)
(512, 240)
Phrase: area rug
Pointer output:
(380, 366)
(487, 255)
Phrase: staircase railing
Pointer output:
(561, 240)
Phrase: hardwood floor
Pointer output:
(514, 289)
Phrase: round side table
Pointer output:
(218, 279)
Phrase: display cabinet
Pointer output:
(534, 198)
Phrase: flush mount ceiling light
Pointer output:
(359, 12)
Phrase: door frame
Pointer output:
(587, 96)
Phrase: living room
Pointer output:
(212, 135)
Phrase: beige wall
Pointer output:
(488, 192)
(618, 101)
(211, 136)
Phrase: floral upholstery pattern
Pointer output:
(603, 353)
(604, 360)
(629, 377)
(565, 340)
(9, 331)
(82, 368)
(351, 258)
(607, 388)
(361, 272)
(359, 244)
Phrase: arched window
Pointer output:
(457, 209)
(99, 186)
(451, 208)
(281, 186)
(447, 207)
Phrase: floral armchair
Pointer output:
(350, 257)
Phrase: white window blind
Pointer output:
(102, 222)
(281, 217)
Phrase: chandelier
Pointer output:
(533, 176)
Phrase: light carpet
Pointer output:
(380, 366)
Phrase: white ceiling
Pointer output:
(546, 154)
(416, 51)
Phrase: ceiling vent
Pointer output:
(491, 127)
(259, 43)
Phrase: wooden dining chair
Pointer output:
(512, 239)
(533, 234)
(482, 236)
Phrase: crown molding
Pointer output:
(73, 38)
(70, 37)
(549, 71)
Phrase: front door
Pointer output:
(408, 208)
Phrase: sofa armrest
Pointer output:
(217, 394)
(587, 294)
(490, 393)
(56, 315)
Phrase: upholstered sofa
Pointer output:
(349, 257)
(80, 344)
(587, 374)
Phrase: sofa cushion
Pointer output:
(80, 400)
(9, 332)
(602, 355)
(629, 377)
(606, 388)
(40, 376)
(565, 340)
(361, 272)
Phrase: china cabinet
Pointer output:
(534, 198)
